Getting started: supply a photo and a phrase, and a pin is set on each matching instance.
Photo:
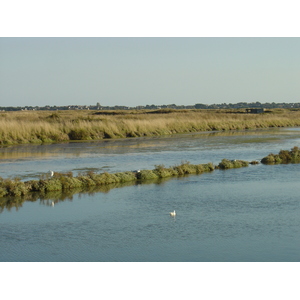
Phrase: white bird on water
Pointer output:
(173, 213)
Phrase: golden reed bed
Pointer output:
(22, 127)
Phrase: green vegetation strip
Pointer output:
(63, 185)
(64, 182)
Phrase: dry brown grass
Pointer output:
(47, 126)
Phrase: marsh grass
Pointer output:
(230, 164)
(283, 157)
(13, 192)
(62, 182)
(14, 187)
(47, 127)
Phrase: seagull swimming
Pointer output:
(173, 213)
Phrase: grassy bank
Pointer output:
(65, 182)
(63, 186)
(60, 187)
(23, 127)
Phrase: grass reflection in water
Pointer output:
(60, 187)
(63, 186)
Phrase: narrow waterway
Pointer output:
(32, 161)
(247, 214)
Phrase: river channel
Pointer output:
(247, 214)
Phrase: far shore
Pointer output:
(37, 127)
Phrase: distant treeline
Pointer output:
(239, 105)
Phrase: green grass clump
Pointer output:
(147, 174)
(283, 157)
(103, 179)
(3, 192)
(162, 172)
(69, 183)
(50, 185)
(271, 159)
(13, 187)
(230, 164)
(125, 177)
(87, 180)
(184, 169)
(204, 168)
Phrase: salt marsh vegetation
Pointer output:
(64, 182)
(22, 127)
(283, 157)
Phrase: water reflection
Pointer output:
(119, 145)
(32, 162)
(247, 214)
(54, 197)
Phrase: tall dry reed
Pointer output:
(46, 126)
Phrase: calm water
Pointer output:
(248, 214)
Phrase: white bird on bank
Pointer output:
(52, 203)
(51, 173)
(173, 213)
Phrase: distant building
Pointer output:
(255, 110)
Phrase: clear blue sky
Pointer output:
(140, 71)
